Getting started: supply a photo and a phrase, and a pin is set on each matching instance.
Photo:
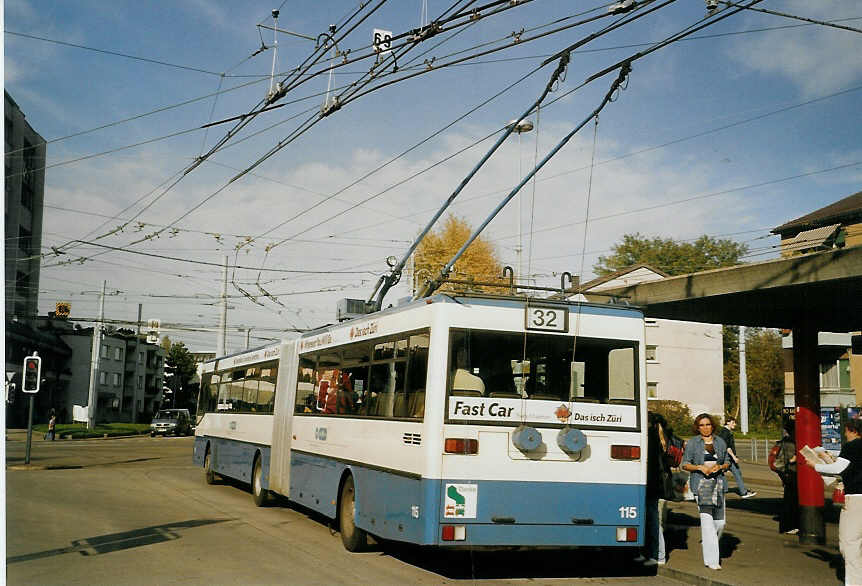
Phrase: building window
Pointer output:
(104, 351)
(103, 377)
(652, 390)
(115, 379)
(25, 240)
(27, 196)
(118, 353)
(140, 357)
(140, 382)
(651, 353)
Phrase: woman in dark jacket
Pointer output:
(706, 459)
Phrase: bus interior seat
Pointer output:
(545, 397)
(416, 405)
(466, 393)
(621, 401)
(585, 400)
(399, 406)
(505, 395)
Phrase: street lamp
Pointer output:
(520, 127)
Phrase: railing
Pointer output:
(754, 450)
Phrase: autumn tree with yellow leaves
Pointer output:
(478, 263)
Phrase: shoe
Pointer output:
(650, 562)
(715, 567)
(661, 562)
(792, 532)
(749, 494)
(640, 559)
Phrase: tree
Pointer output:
(181, 365)
(765, 372)
(479, 262)
(671, 256)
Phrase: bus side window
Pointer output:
(252, 379)
(417, 374)
(306, 377)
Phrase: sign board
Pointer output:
(79, 413)
(63, 309)
(382, 41)
(153, 326)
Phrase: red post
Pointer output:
(806, 383)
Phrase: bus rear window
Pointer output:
(542, 367)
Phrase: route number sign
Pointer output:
(382, 40)
(552, 319)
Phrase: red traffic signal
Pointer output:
(32, 374)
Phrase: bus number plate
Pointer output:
(554, 319)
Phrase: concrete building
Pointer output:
(23, 201)
(129, 373)
(684, 360)
(837, 225)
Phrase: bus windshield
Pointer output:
(542, 367)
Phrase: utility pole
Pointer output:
(95, 349)
(221, 346)
(247, 338)
(743, 383)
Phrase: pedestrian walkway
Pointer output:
(752, 550)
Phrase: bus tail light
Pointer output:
(454, 532)
(625, 452)
(461, 445)
(627, 534)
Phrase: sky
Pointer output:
(738, 128)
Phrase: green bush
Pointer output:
(79, 431)
(677, 414)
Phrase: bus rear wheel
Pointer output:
(260, 494)
(208, 468)
(353, 538)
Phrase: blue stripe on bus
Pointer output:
(232, 458)
(527, 513)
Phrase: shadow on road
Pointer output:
(118, 541)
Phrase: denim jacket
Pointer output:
(694, 449)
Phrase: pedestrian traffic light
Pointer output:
(32, 374)
(10, 393)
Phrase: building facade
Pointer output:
(837, 225)
(684, 360)
(23, 203)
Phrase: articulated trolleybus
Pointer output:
(454, 421)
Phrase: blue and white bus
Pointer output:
(454, 421)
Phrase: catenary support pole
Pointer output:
(221, 346)
(95, 349)
(743, 383)
(806, 387)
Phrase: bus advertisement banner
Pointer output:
(541, 411)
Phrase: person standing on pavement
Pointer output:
(788, 522)
(849, 467)
(726, 433)
(705, 457)
(657, 486)
(51, 425)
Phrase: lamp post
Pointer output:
(520, 127)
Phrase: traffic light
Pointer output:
(32, 374)
(10, 393)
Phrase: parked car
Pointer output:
(171, 421)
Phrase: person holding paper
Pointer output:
(849, 467)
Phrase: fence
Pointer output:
(754, 450)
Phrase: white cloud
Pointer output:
(817, 59)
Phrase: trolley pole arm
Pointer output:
(433, 285)
(390, 280)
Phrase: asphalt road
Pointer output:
(136, 511)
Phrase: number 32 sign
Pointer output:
(554, 319)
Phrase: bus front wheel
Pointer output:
(259, 493)
(353, 538)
